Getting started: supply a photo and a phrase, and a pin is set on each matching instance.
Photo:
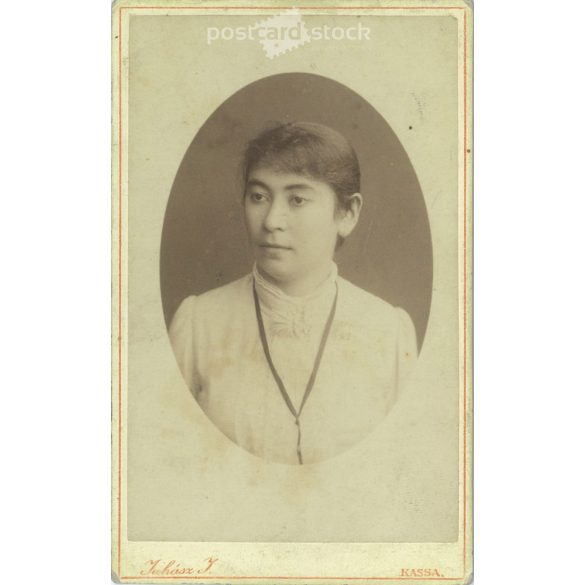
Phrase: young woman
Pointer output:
(293, 362)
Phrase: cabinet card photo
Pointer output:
(292, 292)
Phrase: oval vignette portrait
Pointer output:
(296, 268)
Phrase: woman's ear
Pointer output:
(350, 215)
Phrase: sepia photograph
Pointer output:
(291, 234)
(268, 268)
(253, 350)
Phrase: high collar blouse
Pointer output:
(368, 355)
(297, 317)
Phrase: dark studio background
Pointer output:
(204, 243)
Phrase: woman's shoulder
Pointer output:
(371, 310)
(221, 300)
(362, 299)
(229, 293)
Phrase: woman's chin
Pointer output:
(274, 271)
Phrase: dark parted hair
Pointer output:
(309, 149)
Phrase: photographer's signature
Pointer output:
(160, 567)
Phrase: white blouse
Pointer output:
(368, 355)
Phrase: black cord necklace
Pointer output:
(278, 379)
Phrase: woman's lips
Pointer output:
(275, 246)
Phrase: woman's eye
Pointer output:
(257, 197)
(297, 200)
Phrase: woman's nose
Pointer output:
(276, 217)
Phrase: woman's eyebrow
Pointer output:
(299, 186)
(290, 187)
(257, 183)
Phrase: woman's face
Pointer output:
(293, 224)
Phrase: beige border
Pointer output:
(278, 562)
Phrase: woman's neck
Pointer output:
(299, 287)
